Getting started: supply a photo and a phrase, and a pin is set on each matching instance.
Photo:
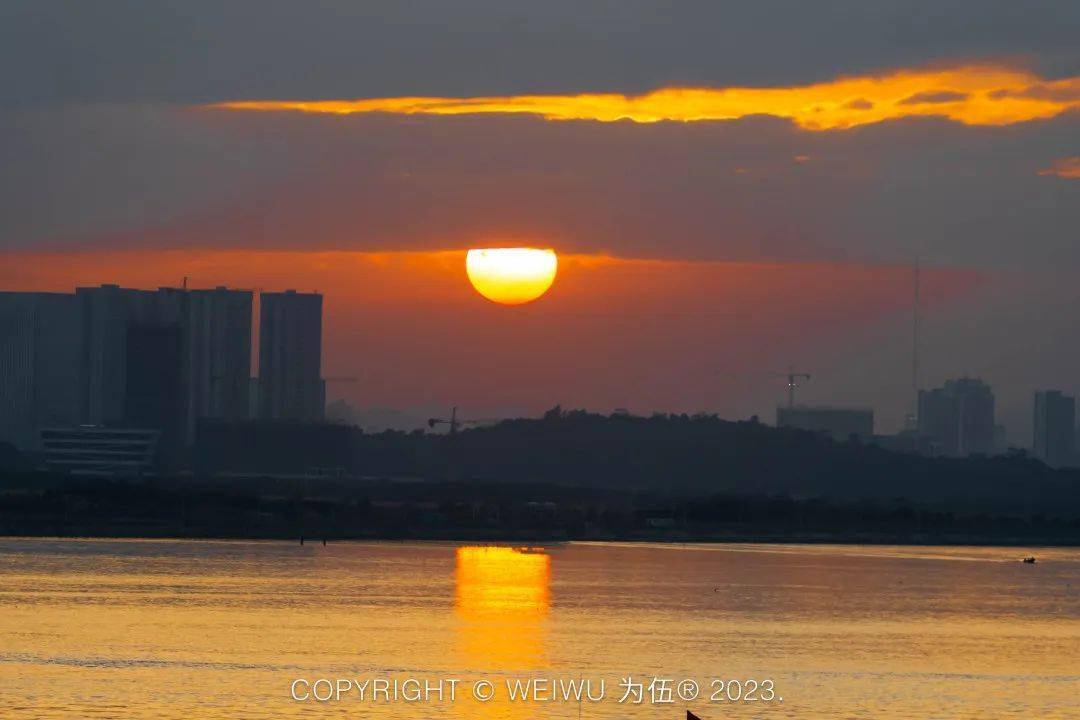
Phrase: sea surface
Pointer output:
(232, 630)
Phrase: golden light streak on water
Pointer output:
(502, 595)
(203, 630)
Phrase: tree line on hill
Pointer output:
(676, 456)
(692, 456)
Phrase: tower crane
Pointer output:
(453, 421)
(792, 383)
(454, 450)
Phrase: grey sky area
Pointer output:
(205, 50)
(757, 188)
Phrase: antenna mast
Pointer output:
(915, 346)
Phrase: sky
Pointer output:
(732, 188)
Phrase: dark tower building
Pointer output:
(957, 419)
(214, 352)
(217, 355)
(290, 356)
(1055, 428)
(40, 355)
(154, 386)
(118, 357)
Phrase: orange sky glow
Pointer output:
(669, 334)
(976, 94)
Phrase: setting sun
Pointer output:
(511, 276)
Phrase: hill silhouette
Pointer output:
(567, 475)
(703, 455)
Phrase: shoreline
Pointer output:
(880, 540)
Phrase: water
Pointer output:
(194, 630)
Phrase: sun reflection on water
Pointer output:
(502, 599)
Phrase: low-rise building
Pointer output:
(101, 451)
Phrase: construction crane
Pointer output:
(454, 450)
(792, 383)
(453, 421)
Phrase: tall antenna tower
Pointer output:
(913, 417)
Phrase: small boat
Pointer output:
(1029, 560)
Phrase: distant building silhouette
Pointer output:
(210, 329)
(290, 356)
(109, 314)
(154, 380)
(957, 419)
(39, 364)
(121, 357)
(838, 423)
(1001, 440)
(1055, 428)
(102, 451)
(218, 355)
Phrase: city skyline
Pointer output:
(207, 336)
(750, 391)
(159, 361)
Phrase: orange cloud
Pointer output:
(1067, 167)
(985, 94)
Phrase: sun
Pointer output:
(511, 276)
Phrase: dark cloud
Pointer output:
(860, 104)
(1041, 92)
(208, 50)
(932, 98)
(731, 190)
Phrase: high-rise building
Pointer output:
(218, 353)
(958, 418)
(1055, 428)
(837, 423)
(290, 356)
(109, 314)
(154, 381)
(40, 352)
(213, 357)
(111, 356)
